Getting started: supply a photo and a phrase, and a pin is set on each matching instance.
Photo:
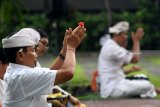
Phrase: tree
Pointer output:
(10, 12)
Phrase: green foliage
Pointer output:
(36, 21)
(13, 19)
(10, 11)
(146, 17)
(95, 24)
(14, 15)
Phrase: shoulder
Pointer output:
(32, 72)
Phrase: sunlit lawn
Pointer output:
(155, 79)
(80, 78)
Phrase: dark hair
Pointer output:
(3, 57)
(11, 53)
(42, 33)
(111, 35)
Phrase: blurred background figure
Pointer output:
(113, 56)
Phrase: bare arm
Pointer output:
(74, 101)
(73, 41)
(67, 70)
(60, 60)
(0, 105)
(136, 37)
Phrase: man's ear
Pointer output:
(19, 56)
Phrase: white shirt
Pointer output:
(23, 85)
(111, 59)
(1, 91)
(104, 38)
(41, 101)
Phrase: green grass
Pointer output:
(90, 96)
(153, 78)
(155, 60)
(80, 77)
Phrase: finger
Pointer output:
(70, 31)
(84, 36)
(66, 33)
(76, 30)
(82, 32)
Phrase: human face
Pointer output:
(28, 58)
(122, 38)
(42, 46)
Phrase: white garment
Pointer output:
(112, 79)
(43, 97)
(103, 39)
(25, 37)
(23, 85)
(122, 26)
(1, 91)
(41, 101)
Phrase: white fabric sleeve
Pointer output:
(1, 91)
(122, 54)
(37, 82)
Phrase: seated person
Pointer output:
(113, 56)
(95, 82)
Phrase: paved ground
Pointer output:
(89, 62)
(124, 103)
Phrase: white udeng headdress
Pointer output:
(25, 37)
(119, 27)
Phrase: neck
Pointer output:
(116, 40)
(1, 77)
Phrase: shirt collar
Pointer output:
(18, 66)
